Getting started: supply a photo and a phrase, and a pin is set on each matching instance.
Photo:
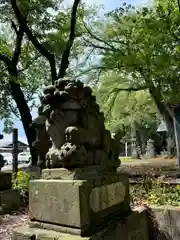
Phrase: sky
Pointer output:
(108, 6)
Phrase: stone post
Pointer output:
(15, 151)
(10, 199)
(150, 149)
(134, 148)
(1, 156)
(43, 142)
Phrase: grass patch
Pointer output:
(126, 159)
(21, 183)
(155, 192)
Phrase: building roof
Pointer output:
(162, 127)
(8, 144)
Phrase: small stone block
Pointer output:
(165, 222)
(89, 172)
(10, 200)
(5, 182)
(77, 203)
(27, 233)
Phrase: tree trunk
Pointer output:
(142, 142)
(26, 117)
(156, 95)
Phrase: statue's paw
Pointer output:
(71, 134)
(52, 159)
(48, 163)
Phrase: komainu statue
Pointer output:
(76, 127)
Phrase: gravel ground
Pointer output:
(9, 222)
(156, 166)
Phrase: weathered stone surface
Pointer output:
(56, 228)
(88, 172)
(10, 200)
(134, 148)
(133, 227)
(78, 203)
(165, 222)
(150, 149)
(5, 181)
(76, 127)
(26, 233)
(107, 196)
(58, 202)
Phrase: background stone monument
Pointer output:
(150, 149)
(10, 199)
(43, 142)
(135, 151)
(80, 194)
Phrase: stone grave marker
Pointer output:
(10, 199)
(150, 149)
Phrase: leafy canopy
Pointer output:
(143, 44)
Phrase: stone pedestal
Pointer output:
(132, 227)
(10, 200)
(150, 149)
(82, 204)
(79, 205)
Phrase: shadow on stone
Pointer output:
(155, 233)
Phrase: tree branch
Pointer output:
(19, 38)
(14, 111)
(28, 64)
(97, 38)
(66, 53)
(95, 82)
(86, 58)
(12, 63)
(14, 27)
(131, 89)
(178, 4)
(96, 46)
(5, 59)
(100, 68)
(49, 56)
(3, 70)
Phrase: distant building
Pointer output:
(6, 146)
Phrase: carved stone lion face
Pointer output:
(55, 126)
(59, 120)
